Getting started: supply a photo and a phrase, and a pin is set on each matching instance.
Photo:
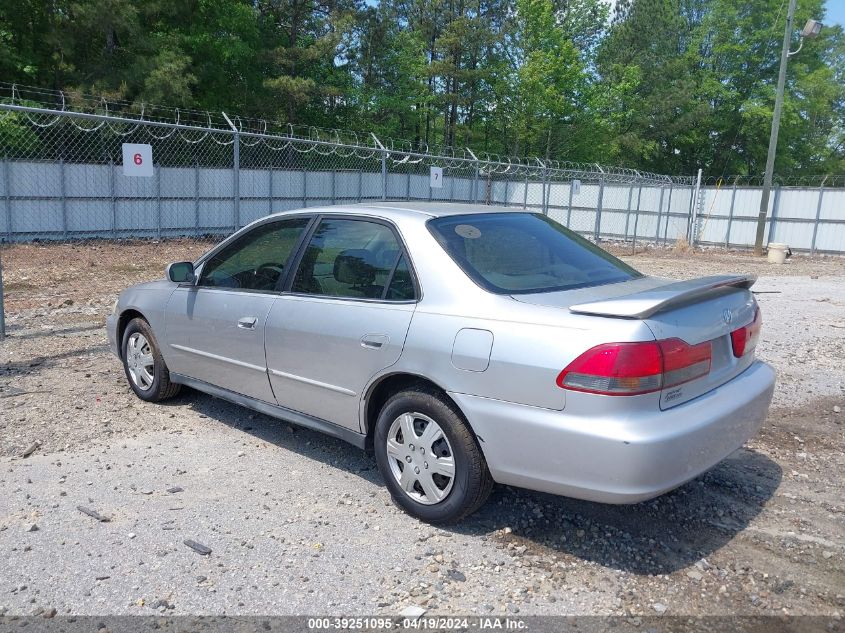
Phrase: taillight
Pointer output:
(744, 339)
(627, 369)
(682, 362)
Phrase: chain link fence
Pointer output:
(80, 220)
(806, 213)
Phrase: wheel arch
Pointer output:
(122, 322)
(385, 386)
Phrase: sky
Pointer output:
(835, 12)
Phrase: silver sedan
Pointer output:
(464, 345)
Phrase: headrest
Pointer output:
(355, 266)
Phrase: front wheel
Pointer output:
(430, 460)
(145, 368)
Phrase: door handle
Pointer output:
(374, 341)
(247, 323)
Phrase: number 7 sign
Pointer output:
(138, 159)
(436, 178)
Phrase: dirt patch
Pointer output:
(685, 263)
(41, 278)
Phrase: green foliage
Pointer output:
(16, 138)
(662, 85)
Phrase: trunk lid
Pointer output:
(695, 311)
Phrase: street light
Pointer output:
(811, 29)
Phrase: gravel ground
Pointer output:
(299, 523)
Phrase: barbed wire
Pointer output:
(800, 181)
(124, 118)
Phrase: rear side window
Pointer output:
(514, 253)
(356, 259)
(401, 287)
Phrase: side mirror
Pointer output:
(181, 272)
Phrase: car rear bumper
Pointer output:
(111, 332)
(618, 461)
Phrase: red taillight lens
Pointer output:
(627, 369)
(682, 362)
(615, 368)
(744, 339)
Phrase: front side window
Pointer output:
(353, 258)
(256, 260)
(513, 253)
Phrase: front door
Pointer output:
(345, 319)
(214, 329)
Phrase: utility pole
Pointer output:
(773, 137)
(811, 29)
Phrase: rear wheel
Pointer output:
(145, 368)
(429, 458)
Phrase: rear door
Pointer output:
(215, 328)
(345, 318)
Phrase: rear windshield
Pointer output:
(517, 253)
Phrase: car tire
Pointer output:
(412, 411)
(143, 364)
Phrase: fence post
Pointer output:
(334, 176)
(569, 208)
(693, 212)
(543, 176)
(64, 198)
(360, 184)
(660, 212)
(157, 168)
(668, 216)
(628, 211)
(730, 217)
(270, 191)
(507, 199)
(597, 230)
(6, 182)
(525, 193)
(637, 219)
(384, 176)
(236, 178)
(8, 212)
(2, 307)
(383, 166)
(775, 206)
(197, 196)
(475, 176)
(818, 217)
(546, 191)
(236, 173)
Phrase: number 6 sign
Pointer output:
(138, 159)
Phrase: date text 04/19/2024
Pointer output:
(421, 623)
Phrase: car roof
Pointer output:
(405, 208)
(439, 209)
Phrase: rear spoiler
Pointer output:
(641, 305)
